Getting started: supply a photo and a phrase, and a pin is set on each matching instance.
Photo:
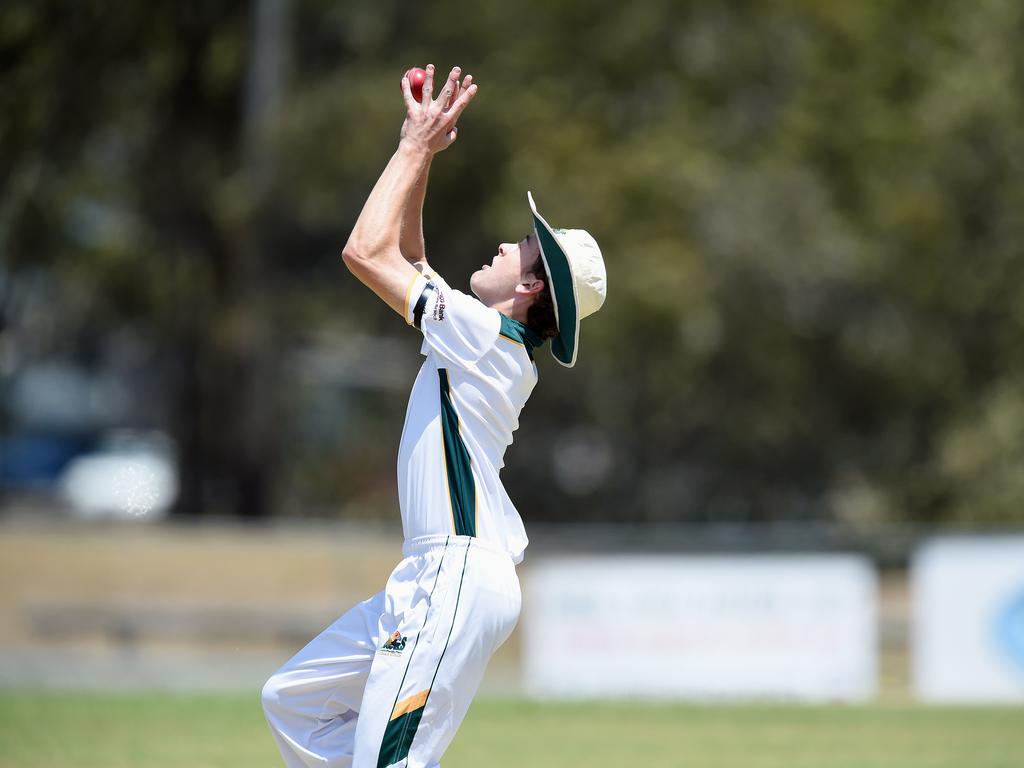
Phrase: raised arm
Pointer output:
(411, 243)
(373, 251)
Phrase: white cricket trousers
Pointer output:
(389, 682)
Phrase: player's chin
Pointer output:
(477, 283)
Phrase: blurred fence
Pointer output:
(221, 605)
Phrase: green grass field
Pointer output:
(172, 731)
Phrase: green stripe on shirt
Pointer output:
(461, 484)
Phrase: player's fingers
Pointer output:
(463, 102)
(428, 85)
(447, 95)
(410, 102)
(449, 138)
(459, 88)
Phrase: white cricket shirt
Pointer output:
(465, 404)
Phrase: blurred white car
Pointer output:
(131, 475)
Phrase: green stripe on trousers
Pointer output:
(398, 738)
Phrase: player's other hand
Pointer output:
(430, 124)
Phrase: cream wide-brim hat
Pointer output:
(577, 277)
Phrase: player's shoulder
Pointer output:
(494, 331)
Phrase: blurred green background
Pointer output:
(811, 214)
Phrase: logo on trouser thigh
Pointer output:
(395, 644)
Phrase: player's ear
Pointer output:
(529, 285)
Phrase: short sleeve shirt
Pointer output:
(463, 410)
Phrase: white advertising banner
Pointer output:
(799, 627)
(968, 631)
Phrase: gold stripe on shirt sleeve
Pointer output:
(408, 298)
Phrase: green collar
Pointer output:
(519, 332)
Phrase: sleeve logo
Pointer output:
(439, 306)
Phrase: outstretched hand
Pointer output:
(430, 124)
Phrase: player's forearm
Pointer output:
(412, 242)
(377, 231)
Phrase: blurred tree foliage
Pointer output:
(812, 215)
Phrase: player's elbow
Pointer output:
(353, 255)
(361, 256)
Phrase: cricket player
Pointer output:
(390, 681)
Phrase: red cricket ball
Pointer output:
(416, 77)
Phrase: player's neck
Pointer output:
(514, 307)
